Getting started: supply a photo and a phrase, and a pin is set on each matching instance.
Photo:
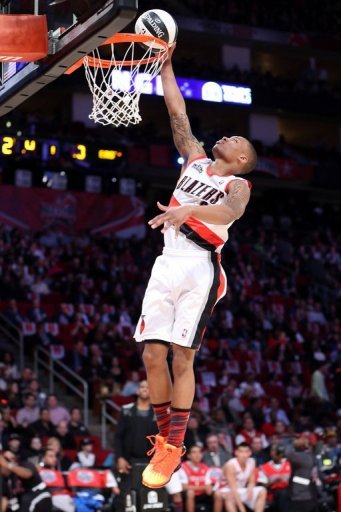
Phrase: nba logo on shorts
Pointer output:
(184, 333)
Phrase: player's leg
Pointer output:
(230, 503)
(183, 393)
(154, 328)
(261, 501)
(218, 502)
(190, 500)
(258, 500)
(159, 382)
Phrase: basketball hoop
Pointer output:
(116, 84)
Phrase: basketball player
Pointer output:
(187, 280)
(241, 489)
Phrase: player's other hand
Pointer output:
(173, 216)
(123, 465)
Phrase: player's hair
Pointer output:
(251, 159)
(243, 445)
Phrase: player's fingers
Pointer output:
(156, 220)
(162, 207)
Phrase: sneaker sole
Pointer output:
(152, 486)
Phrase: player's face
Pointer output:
(195, 455)
(230, 149)
(242, 454)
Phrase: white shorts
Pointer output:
(180, 297)
(174, 485)
(225, 491)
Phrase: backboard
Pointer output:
(70, 38)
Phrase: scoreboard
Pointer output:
(48, 149)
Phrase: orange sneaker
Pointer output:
(168, 460)
(158, 443)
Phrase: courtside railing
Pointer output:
(59, 372)
(13, 334)
(109, 410)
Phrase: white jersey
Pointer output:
(242, 475)
(199, 186)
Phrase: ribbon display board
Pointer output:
(73, 212)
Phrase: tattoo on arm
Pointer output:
(184, 139)
(238, 197)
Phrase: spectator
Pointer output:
(14, 444)
(57, 412)
(55, 484)
(63, 461)
(302, 487)
(36, 314)
(86, 457)
(274, 413)
(34, 497)
(258, 452)
(11, 368)
(3, 379)
(76, 427)
(26, 376)
(196, 433)
(13, 314)
(248, 432)
(34, 388)
(215, 455)
(241, 489)
(195, 478)
(29, 413)
(131, 445)
(66, 439)
(318, 383)
(250, 388)
(275, 475)
(33, 454)
(13, 396)
(131, 386)
(43, 427)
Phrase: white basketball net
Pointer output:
(116, 90)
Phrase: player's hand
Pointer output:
(249, 493)
(173, 216)
(123, 465)
(170, 52)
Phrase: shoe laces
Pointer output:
(156, 449)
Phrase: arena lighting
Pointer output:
(181, 160)
(191, 88)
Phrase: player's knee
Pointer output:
(263, 493)
(190, 494)
(182, 360)
(153, 355)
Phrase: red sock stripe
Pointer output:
(162, 413)
(178, 425)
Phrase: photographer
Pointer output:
(34, 496)
(302, 486)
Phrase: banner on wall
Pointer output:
(72, 212)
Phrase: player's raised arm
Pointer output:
(187, 145)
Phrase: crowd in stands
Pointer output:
(269, 368)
